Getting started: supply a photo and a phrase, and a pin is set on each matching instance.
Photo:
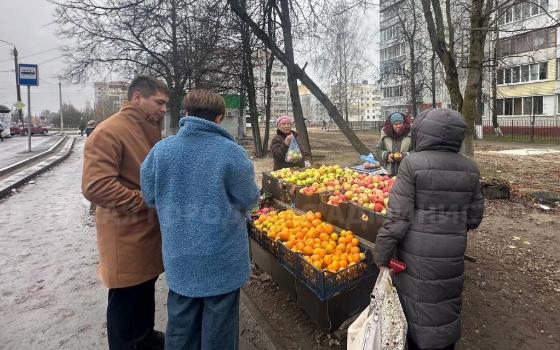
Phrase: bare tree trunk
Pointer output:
(175, 108)
(413, 91)
(495, 124)
(249, 82)
(268, 102)
(301, 128)
(433, 68)
(241, 122)
(334, 114)
(176, 105)
(446, 55)
(476, 53)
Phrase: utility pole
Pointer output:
(60, 99)
(18, 90)
(15, 53)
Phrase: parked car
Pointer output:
(15, 129)
(35, 129)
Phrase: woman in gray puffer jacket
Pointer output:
(435, 200)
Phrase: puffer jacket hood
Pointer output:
(439, 130)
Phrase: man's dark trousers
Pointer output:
(130, 316)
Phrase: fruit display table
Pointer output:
(326, 270)
(346, 198)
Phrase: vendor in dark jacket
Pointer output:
(281, 142)
(433, 203)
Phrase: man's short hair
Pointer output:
(204, 104)
(147, 86)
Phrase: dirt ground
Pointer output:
(512, 290)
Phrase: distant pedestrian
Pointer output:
(324, 127)
(128, 232)
(435, 201)
(82, 127)
(90, 127)
(202, 212)
(1, 132)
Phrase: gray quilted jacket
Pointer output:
(435, 200)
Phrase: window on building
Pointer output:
(531, 41)
(502, 18)
(543, 70)
(509, 15)
(515, 74)
(523, 10)
(499, 106)
(551, 37)
(518, 106)
(500, 76)
(517, 12)
(558, 103)
(522, 43)
(526, 10)
(507, 76)
(539, 39)
(527, 105)
(504, 47)
(534, 72)
(508, 106)
(535, 8)
(524, 73)
(537, 105)
(544, 6)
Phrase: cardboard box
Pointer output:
(307, 203)
(284, 278)
(332, 214)
(363, 222)
(329, 314)
(260, 257)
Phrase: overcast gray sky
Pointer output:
(28, 25)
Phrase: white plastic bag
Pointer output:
(294, 153)
(382, 325)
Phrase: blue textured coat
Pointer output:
(201, 183)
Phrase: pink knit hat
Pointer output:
(284, 119)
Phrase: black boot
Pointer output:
(154, 341)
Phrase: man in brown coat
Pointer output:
(128, 233)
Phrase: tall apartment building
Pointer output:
(394, 62)
(281, 102)
(528, 71)
(364, 101)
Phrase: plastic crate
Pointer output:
(326, 284)
(263, 240)
(289, 259)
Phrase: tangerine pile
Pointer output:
(313, 238)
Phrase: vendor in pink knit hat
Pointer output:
(281, 142)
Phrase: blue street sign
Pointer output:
(28, 74)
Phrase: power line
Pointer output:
(50, 60)
(34, 54)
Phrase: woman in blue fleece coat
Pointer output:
(202, 183)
